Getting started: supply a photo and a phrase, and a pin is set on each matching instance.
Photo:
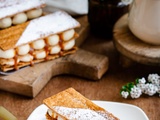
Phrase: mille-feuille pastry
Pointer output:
(71, 105)
(45, 38)
(13, 12)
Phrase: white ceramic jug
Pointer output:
(144, 20)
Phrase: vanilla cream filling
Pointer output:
(69, 44)
(54, 115)
(31, 14)
(40, 54)
(55, 49)
(7, 53)
(38, 44)
(25, 58)
(67, 35)
(5, 22)
(52, 40)
(11, 7)
(11, 62)
(19, 18)
(23, 50)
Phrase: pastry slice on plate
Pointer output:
(71, 105)
(41, 39)
(14, 12)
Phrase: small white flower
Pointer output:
(141, 86)
(149, 86)
(150, 89)
(154, 78)
(135, 92)
(142, 80)
(124, 94)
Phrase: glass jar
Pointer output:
(144, 20)
(103, 14)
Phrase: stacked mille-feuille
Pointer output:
(28, 36)
(71, 105)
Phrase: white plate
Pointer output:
(121, 110)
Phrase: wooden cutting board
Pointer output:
(29, 81)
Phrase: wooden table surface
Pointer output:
(106, 89)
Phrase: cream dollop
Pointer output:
(11, 62)
(55, 49)
(67, 35)
(52, 40)
(52, 114)
(19, 18)
(5, 22)
(31, 14)
(26, 58)
(69, 44)
(38, 44)
(40, 55)
(23, 50)
(7, 53)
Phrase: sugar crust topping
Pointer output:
(79, 114)
(11, 7)
(47, 25)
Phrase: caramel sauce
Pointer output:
(61, 43)
(16, 62)
(62, 47)
(47, 49)
(31, 63)
(31, 52)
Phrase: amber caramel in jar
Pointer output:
(103, 14)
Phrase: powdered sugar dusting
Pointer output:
(107, 115)
(78, 113)
(11, 7)
(47, 25)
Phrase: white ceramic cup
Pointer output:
(144, 20)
